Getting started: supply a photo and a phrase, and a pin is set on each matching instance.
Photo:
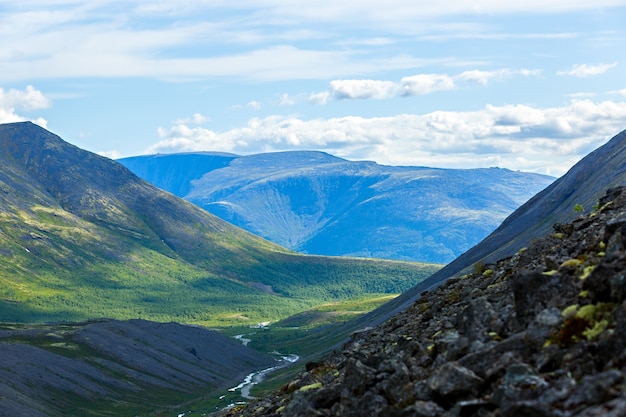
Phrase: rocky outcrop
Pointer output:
(541, 333)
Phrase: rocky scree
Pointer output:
(539, 334)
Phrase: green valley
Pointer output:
(81, 237)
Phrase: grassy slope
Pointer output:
(82, 237)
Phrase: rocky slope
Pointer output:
(541, 333)
(110, 367)
(316, 203)
(584, 184)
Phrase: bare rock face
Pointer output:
(539, 334)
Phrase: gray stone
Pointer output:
(453, 382)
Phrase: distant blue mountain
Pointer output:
(317, 203)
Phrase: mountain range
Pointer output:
(82, 237)
(527, 322)
(316, 203)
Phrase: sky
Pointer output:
(527, 85)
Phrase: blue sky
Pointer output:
(530, 86)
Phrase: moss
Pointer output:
(587, 312)
(454, 295)
(570, 311)
(586, 322)
(587, 271)
(598, 328)
(479, 267)
(571, 263)
(310, 387)
(488, 273)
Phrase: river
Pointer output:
(256, 377)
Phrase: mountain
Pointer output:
(82, 237)
(313, 202)
(584, 184)
(109, 367)
(540, 333)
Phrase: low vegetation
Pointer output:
(81, 237)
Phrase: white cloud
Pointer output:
(113, 154)
(520, 137)
(27, 100)
(584, 70)
(256, 105)
(360, 89)
(254, 39)
(415, 85)
(484, 77)
(196, 119)
(286, 100)
(425, 84)
(319, 98)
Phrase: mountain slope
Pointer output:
(83, 237)
(105, 367)
(541, 333)
(583, 184)
(313, 202)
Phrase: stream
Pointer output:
(256, 377)
(243, 389)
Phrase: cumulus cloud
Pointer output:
(414, 85)
(425, 84)
(584, 70)
(29, 99)
(343, 89)
(521, 137)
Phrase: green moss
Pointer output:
(585, 322)
(598, 328)
(570, 311)
(572, 263)
(587, 271)
(316, 385)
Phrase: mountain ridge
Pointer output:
(75, 225)
(317, 203)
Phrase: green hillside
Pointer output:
(82, 237)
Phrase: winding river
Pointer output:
(256, 377)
